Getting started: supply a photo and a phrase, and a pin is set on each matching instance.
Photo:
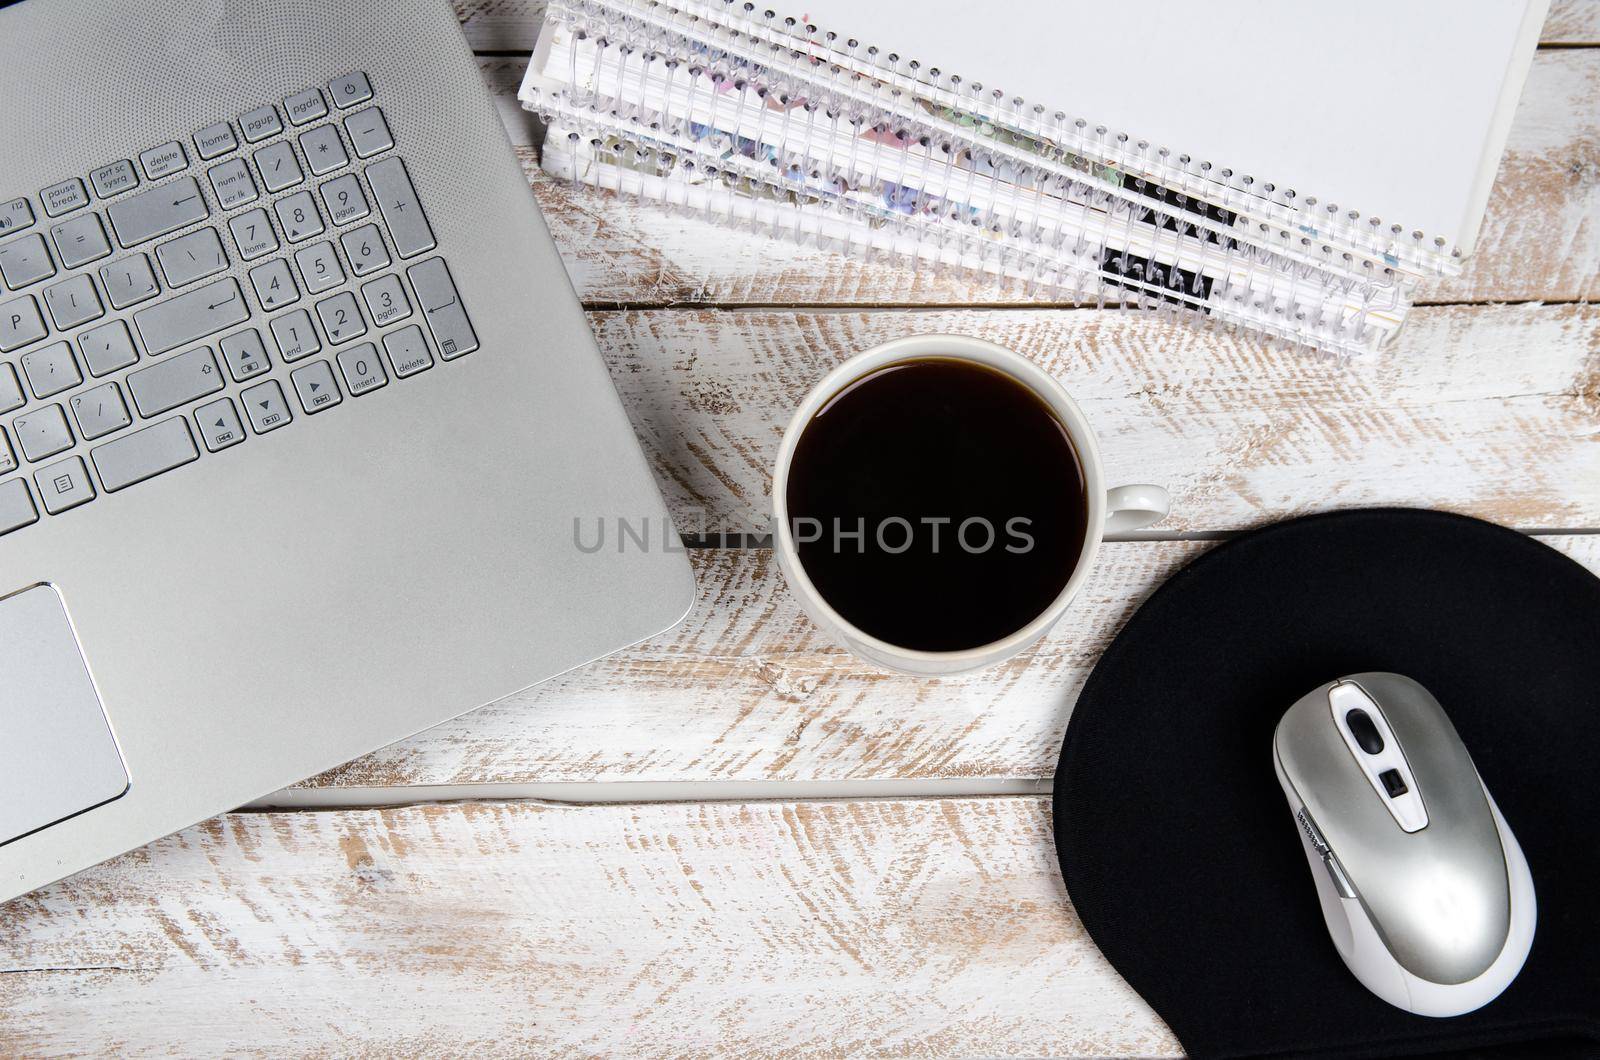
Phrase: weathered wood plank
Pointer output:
(1488, 410)
(1572, 22)
(936, 928)
(1541, 238)
(747, 689)
(513, 25)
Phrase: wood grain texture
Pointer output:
(1488, 410)
(1572, 22)
(927, 928)
(747, 689)
(513, 25)
(1540, 240)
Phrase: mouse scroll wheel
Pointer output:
(1365, 732)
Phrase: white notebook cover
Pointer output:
(1396, 108)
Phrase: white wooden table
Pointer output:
(735, 838)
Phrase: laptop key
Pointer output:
(319, 264)
(16, 506)
(42, 433)
(191, 316)
(11, 395)
(341, 318)
(253, 234)
(397, 199)
(114, 179)
(386, 300)
(362, 369)
(342, 196)
(191, 257)
(129, 281)
(144, 454)
(368, 132)
(80, 241)
(364, 247)
(51, 369)
(260, 124)
(350, 89)
(25, 261)
(264, 405)
(232, 183)
(157, 212)
(215, 141)
(15, 215)
(278, 167)
(100, 411)
(274, 284)
(219, 425)
(295, 335)
(299, 217)
(245, 355)
(20, 323)
(175, 381)
(107, 348)
(8, 459)
(303, 107)
(64, 484)
(64, 197)
(441, 305)
(73, 301)
(408, 351)
(314, 383)
(161, 161)
(323, 149)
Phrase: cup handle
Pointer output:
(1135, 507)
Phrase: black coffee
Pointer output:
(937, 504)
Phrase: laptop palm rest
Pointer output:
(57, 754)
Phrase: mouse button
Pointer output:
(1316, 761)
(1440, 897)
(1336, 873)
(1362, 727)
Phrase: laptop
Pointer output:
(305, 445)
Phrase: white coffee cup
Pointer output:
(1112, 511)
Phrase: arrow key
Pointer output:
(265, 407)
(245, 355)
(219, 425)
(314, 383)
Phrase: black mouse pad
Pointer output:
(1175, 841)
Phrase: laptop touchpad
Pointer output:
(57, 756)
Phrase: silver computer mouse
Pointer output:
(1426, 892)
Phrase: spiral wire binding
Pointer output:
(1262, 202)
(726, 117)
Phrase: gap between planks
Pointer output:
(633, 792)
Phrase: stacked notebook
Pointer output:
(912, 131)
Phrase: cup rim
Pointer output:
(993, 355)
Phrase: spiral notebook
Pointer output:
(804, 125)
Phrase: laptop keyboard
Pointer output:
(119, 332)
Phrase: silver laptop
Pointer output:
(300, 419)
